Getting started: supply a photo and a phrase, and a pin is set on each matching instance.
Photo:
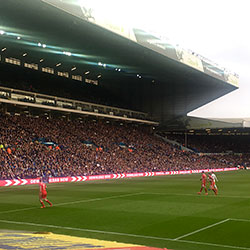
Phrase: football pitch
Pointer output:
(164, 212)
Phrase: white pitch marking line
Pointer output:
(201, 229)
(243, 220)
(196, 195)
(72, 202)
(213, 244)
(85, 230)
(97, 199)
(123, 234)
(17, 210)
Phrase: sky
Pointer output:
(216, 29)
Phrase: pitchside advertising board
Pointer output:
(21, 182)
(90, 11)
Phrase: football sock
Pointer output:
(49, 202)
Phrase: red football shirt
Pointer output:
(42, 187)
(211, 179)
(204, 178)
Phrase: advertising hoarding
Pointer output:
(21, 182)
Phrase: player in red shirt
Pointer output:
(212, 184)
(203, 183)
(43, 194)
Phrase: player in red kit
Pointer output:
(43, 194)
(203, 183)
(212, 184)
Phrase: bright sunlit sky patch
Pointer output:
(216, 29)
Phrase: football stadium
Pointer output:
(96, 148)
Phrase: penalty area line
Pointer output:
(196, 195)
(72, 202)
(97, 199)
(201, 229)
(17, 210)
(241, 220)
(122, 234)
(213, 244)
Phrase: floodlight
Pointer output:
(67, 53)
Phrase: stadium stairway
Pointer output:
(175, 144)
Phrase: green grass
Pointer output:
(150, 211)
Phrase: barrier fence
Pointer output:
(18, 182)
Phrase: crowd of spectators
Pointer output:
(214, 143)
(31, 147)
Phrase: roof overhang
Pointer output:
(171, 87)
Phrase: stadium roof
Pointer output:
(152, 82)
(245, 122)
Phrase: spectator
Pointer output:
(68, 155)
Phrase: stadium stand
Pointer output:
(31, 147)
(25, 79)
(153, 85)
(215, 143)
